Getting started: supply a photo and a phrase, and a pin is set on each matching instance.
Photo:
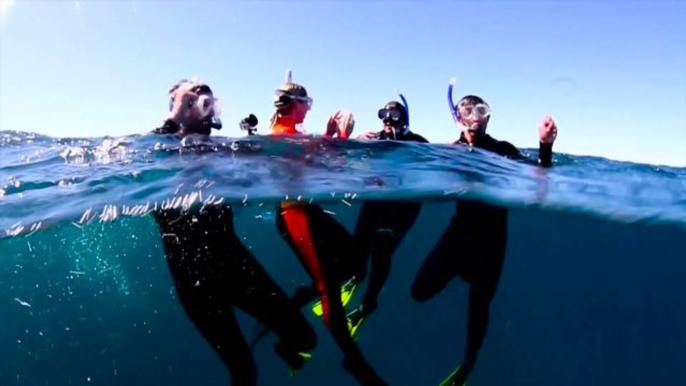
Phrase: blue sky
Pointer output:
(612, 73)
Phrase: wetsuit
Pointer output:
(213, 272)
(321, 244)
(203, 127)
(284, 126)
(380, 228)
(473, 247)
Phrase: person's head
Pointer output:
(394, 117)
(474, 113)
(203, 110)
(291, 100)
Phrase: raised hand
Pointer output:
(340, 124)
(547, 130)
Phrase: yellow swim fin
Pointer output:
(354, 323)
(306, 358)
(347, 291)
(452, 381)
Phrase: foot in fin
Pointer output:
(304, 295)
(306, 357)
(459, 376)
(347, 291)
(355, 319)
(295, 359)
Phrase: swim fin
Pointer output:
(355, 319)
(457, 378)
(347, 291)
(306, 357)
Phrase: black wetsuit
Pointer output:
(213, 272)
(473, 247)
(380, 228)
(407, 136)
(203, 127)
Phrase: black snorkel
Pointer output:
(215, 123)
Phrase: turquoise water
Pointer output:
(591, 291)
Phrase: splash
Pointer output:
(44, 180)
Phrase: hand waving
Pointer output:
(340, 124)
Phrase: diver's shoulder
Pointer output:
(503, 148)
(169, 126)
(414, 137)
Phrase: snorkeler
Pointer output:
(193, 109)
(213, 272)
(382, 225)
(474, 244)
(396, 125)
(319, 241)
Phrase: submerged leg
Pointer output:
(262, 298)
(477, 323)
(439, 267)
(480, 297)
(198, 249)
(296, 224)
(382, 226)
(486, 268)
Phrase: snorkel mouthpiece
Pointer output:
(476, 128)
(216, 123)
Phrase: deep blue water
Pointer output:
(592, 290)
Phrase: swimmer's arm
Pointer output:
(420, 139)
(370, 135)
(545, 153)
(182, 103)
(169, 126)
(414, 137)
(340, 124)
(547, 132)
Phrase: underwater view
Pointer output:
(260, 193)
(117, 252)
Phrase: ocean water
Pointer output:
(592, 289)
